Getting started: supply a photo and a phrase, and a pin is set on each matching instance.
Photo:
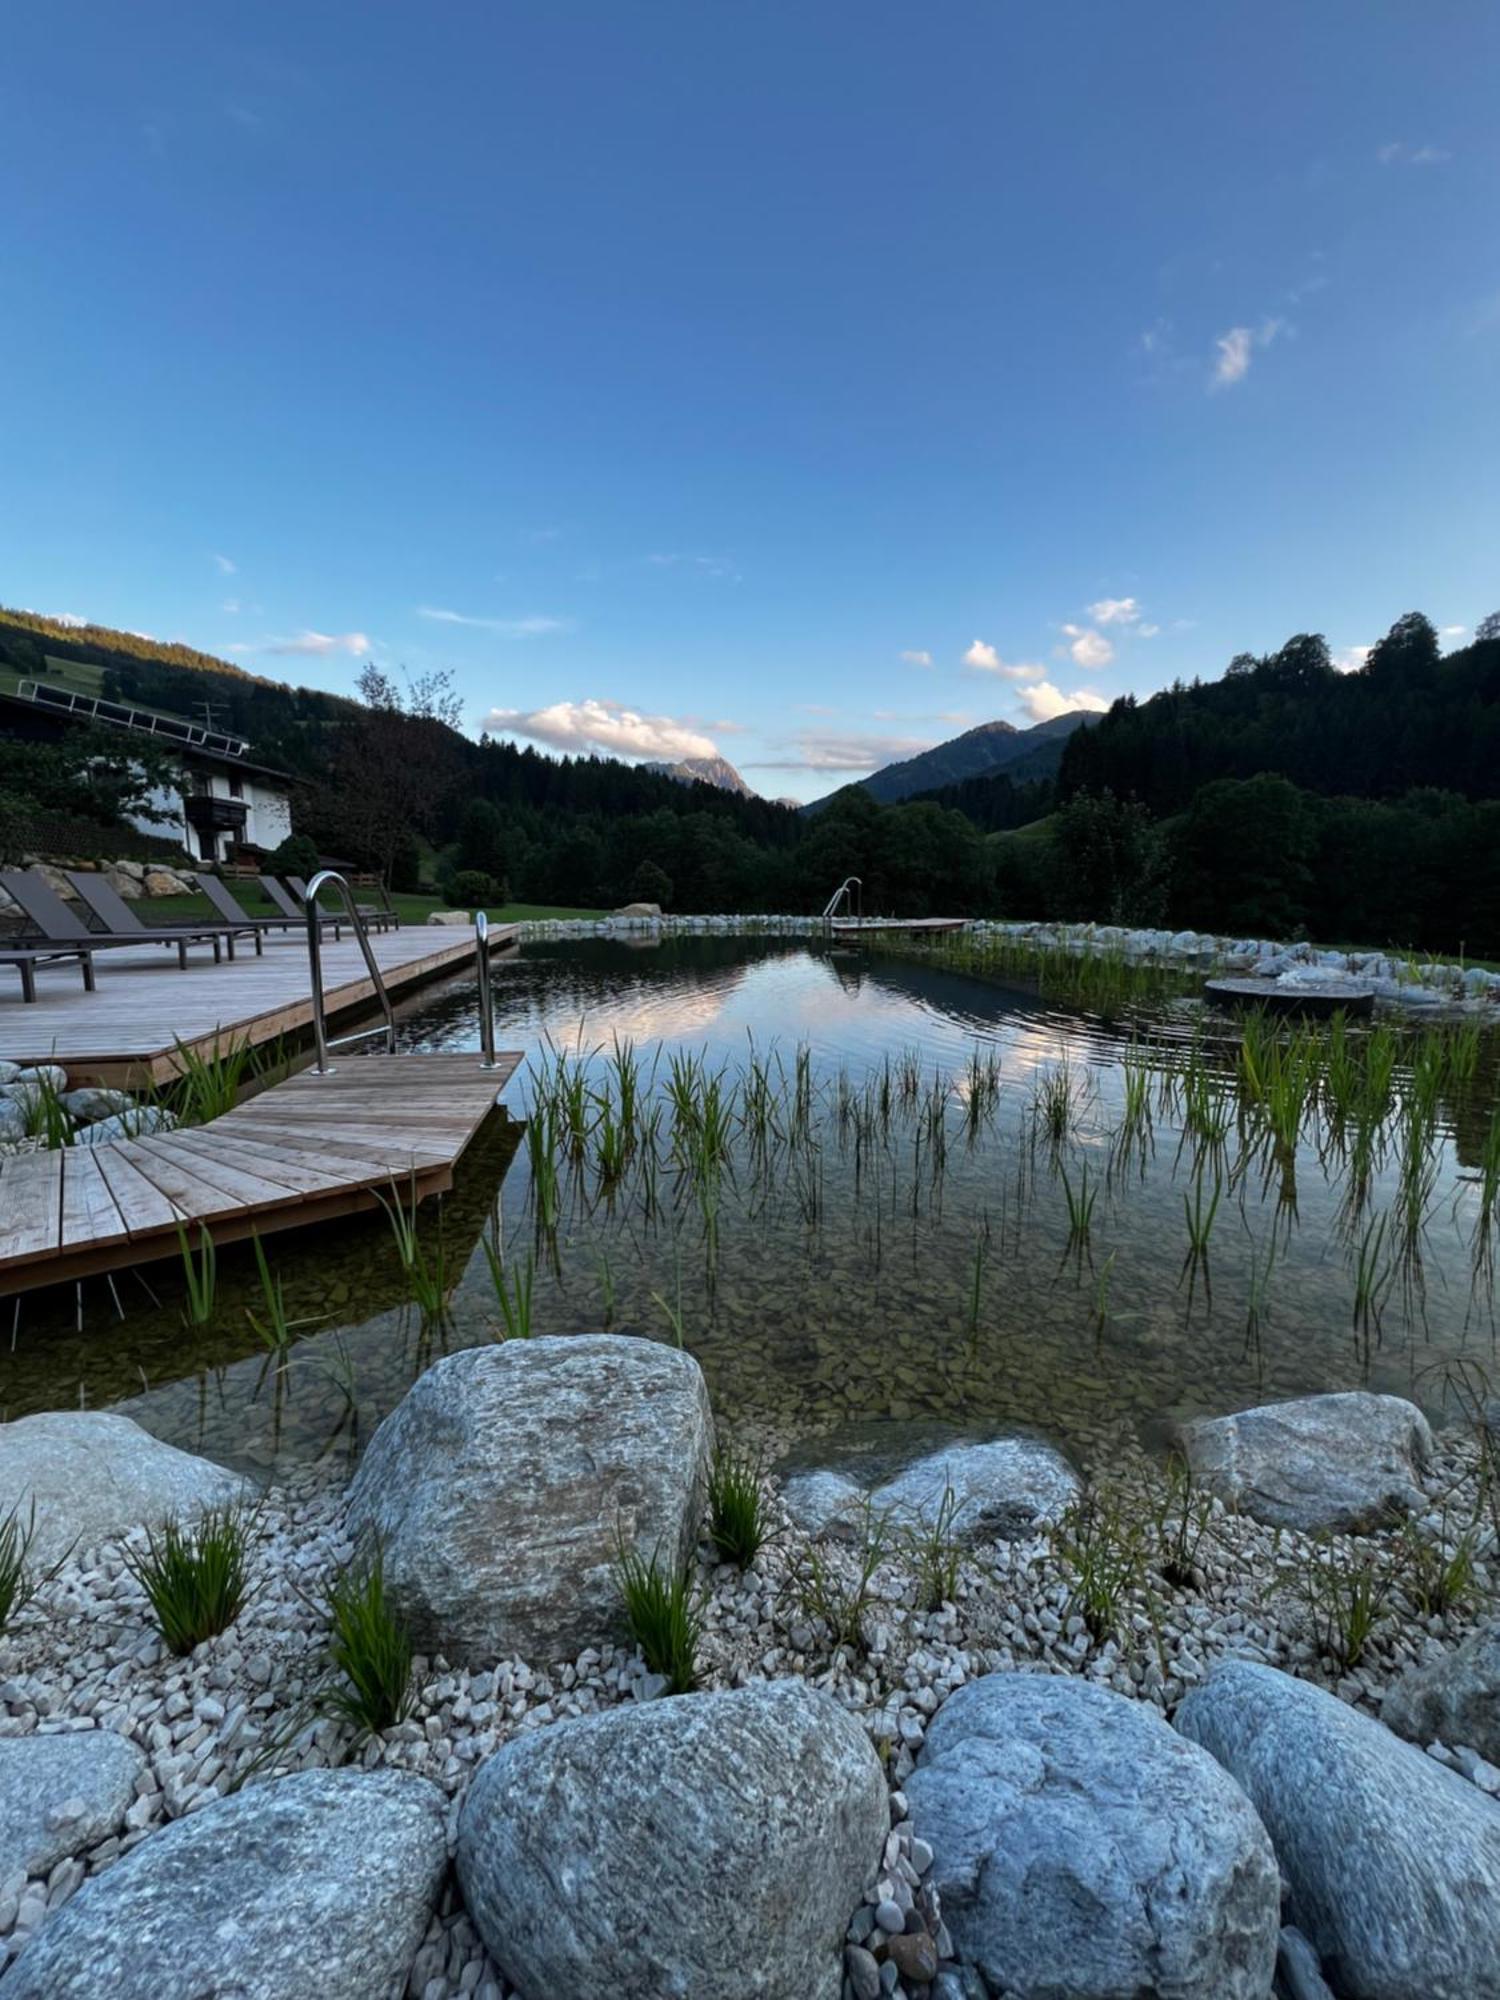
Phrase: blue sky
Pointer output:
(807, 380)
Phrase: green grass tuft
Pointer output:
(371, 1651)
(736, 1518)
(666, 1618)
(195, 1576)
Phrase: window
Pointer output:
(236, 788)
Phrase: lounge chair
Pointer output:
(283, 900)
(112, 910)
(227, 904)
(49, 914)
(370, 913)
(26, 962)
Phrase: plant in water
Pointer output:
(1098, 1546)
(275, 1331)
(195, 1575)
(200, 1276)
(736, 1515)
(426, 1275)
(674, 1313)
(1200, 1221)
(665, 1616)
(370, 1650)
(513, 1288)
(1080, 1202)
(836, 1590)
(208, 1086)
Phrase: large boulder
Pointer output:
(314, 1887)
(1455, 1697)
(1336, 1464)
(506, 1483)
(1393, 1862)
(1082, 1848)
(93, 1476)
(62, 1794)
(707, 1847)
(1000, 1486)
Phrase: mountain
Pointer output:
(704, 771)
(978, 753)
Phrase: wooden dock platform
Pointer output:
(126, 1032)
(848, 927)
(304, 1151)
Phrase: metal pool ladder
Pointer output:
(841, 895)
(330, 878)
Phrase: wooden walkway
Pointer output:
(126, 1033)
(307, 1150)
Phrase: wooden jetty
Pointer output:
(847, 927)
(127, 1031)
(307, 1150)
(1318, 999)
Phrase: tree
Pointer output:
(1109, 861)
(650, 884)
(98, 773)
(1243, 858)
(396, 766)
(1488, 628)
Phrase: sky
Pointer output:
(798, 382)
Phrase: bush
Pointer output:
(650, 884)
(472, 889)
(371, 1651)
(195, 1577)
(665, 1617)
(297, 855)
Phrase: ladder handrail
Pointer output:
(486, 1004)
(331, 878)
(841, 893)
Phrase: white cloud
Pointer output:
(1088, 648)
(61, 617)
(920, 658)
(983, 659)
(854, 753)
(606, 727)
(1115, 611)
(1148, 631)
(224, 566)
(1237, 347)
(1399, 154)
(715, 566)
(1452, 631)
(534, 627)
(1352, 658)
(1044, 702)
(356, 643)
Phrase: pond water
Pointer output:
(864, 1188)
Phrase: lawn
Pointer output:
(412, 909)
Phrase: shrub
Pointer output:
(371, 1651)
(471, 889)
(194, 1576)
(296, 855)
(650, 884)
(666, 1618)
(736, 1520)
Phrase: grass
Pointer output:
(737, 1523)
(412, 908)
(19, 1581)
(836, 1599)
(665, 1616)
(370, 1650)
(200, 1277)
(513, 1290)
(194, 1576)
(1346, 1595)
(936, 1554)
(1098, 1546)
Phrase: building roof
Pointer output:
(198, 744)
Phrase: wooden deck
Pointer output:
(847, 927)
(126, 1032)
(307, 1150)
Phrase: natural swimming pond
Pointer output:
(863, 1187)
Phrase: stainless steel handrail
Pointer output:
(330, 878)
(486, 1004)
(841, 894)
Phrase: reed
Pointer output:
(207, 1086)
(195, 1575)
(665, 1617)
(370, 1651)
(1080, 1202)
(276, 1329)
(513, 1288)
(737, 1523)
(200, 1277)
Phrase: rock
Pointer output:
(452, 917)
(13, 1120)
(914, 1956)
(33, 1081)
(318, 1886)
(125, 882)
(1297, 1968)
(1456, 1697)
(62, 1794)
(163, 882)
(703, 1847)
(92, 1103)
(639, 910)
(1393, 1862)
(1337, 1464)
(1078, 1851)
(93, 1476)
(505, 1484)
(1001, 1486)
(9, 1071)
(136, 1123)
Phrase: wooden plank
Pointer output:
(161, 1156)
(144, 1209)
(89, 1213)
(32, 1196)
(289, 1170)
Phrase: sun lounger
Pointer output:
(47, 913)
(26, 962)
(370, 913)
(227, 904)
(284, 900)
(112, 910)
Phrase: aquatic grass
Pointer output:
(1374, 1273)
(370, 1651)
(46, 1116)
(1080, 1202)
(674, 1315)
(195, 1574)
(1053, 1106)
(935, 1551)
(835, 1589)
(513, 1287)
(1200, 1221)
(1098, 1546)
(665, 1615)
(737, 1523)
(276, 1330)
(20, 1578)
(209, 1085)
(200, 1276)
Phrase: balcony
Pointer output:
(207, 814)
